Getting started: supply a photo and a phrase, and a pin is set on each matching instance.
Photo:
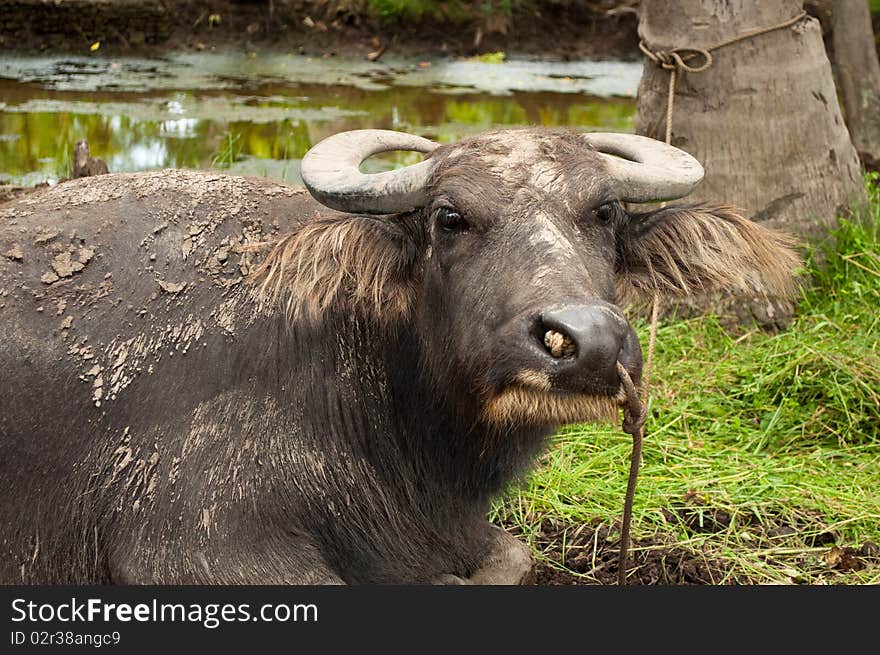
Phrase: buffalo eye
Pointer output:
(607, 212)
(450, 220)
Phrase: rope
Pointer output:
(676, 60)
(652, 340)
(635, 413)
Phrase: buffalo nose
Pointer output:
(585, 343)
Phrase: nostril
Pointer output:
(591, 335)
(559, 344)
(585, 342)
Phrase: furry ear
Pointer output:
(702, 248)
(346, 260)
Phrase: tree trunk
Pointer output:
(763, 119)
(858, 73)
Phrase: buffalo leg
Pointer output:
(507, 562)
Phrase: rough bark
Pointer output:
(858, 73)
(763, 119)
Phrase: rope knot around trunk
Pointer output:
(676, 60)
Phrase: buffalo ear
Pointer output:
(703, 248)
(346, 261)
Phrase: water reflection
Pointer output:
(272, 121)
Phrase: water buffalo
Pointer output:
(216, 379)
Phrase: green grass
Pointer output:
(228, 152)
(490, 57)
(780, 431)
(455, 11)
(407, 9)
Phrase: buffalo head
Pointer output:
(508, 255)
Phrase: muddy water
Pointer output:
(259, 114)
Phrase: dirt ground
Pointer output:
(591, 557)
(591, 553)
(315, 27)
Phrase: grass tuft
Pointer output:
(453, 11)
(229, 151)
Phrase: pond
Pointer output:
(258, 114)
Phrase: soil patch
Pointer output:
(590, 553)
(549, 28)
(591, 557)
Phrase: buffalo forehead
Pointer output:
(546, 162)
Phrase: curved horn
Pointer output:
(645, 169)
(331, 172)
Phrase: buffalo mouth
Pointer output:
(531, 401)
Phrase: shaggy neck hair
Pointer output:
(352, 261)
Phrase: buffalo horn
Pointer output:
(644, 169)
(331, 172)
